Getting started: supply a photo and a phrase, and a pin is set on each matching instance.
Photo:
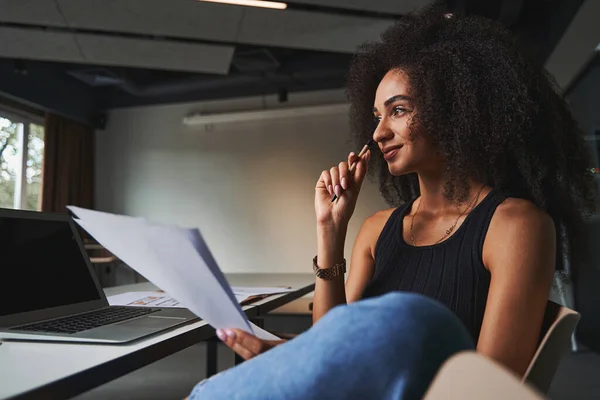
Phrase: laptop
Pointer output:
(49, 292)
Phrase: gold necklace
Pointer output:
(449, 230)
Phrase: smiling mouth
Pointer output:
(391, 153)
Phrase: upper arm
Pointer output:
(362, 261)
(520, 252)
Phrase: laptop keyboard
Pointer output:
(91, 320)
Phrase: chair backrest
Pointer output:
(471, 376)
(559, 325)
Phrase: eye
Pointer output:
(399, 110)
(376, 119)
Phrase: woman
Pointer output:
(486, 162)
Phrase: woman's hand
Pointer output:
(346, 185)
(245, 344)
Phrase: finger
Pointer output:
(361, 168)
(249, 341)
(232, 338)
(344, 176)
(242, 351)
(325, 182)
(352, 159)
(229, 341)
(335, 181)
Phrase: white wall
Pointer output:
(249, 187)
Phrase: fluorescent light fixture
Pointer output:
(263, 115)
(252, 3)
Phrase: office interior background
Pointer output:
(221, 117)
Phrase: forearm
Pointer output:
(330, 251)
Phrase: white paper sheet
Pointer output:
(261, 333)
(201, 291)
(203, 250)
(176, 260)
(144, 299)
(159, 298)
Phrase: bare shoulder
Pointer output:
(371, 229)
(518, 226)
(514, 213)
(377, 221)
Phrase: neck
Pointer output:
(432, 194)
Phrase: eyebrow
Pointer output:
(393, 99)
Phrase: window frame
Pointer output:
(25, 119)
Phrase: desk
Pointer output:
(303, 283)
(30, 370)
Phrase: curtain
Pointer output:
(68, 177)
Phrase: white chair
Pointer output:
(471, 376)
(559, 324)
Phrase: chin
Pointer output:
(397, 169)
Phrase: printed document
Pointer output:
(177, 260)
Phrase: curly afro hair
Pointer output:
(493, 114)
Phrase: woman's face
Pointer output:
(394, 110)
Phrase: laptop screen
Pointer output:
(42, 266)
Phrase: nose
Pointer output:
(382, 132)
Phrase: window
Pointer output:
(21, 154)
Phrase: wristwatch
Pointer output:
(329, 273)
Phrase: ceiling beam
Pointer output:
(50, 90)
(234, 87)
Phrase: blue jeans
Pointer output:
(389, 347)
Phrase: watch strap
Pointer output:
(329, 273)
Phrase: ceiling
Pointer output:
(82, 57)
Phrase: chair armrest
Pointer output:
(471, 376)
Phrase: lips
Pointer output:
(390, 152)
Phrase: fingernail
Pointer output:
(351, 154)
(344, 183)
(330, 190)
(338, 190)
(230, 333)
(221, 335)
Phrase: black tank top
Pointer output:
(451, 272)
